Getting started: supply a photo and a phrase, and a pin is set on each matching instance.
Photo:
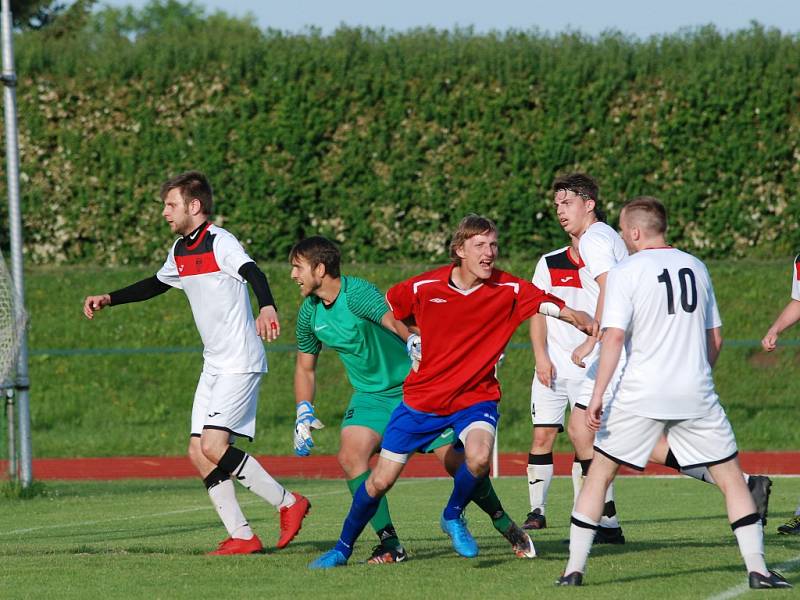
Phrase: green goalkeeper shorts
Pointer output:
(374, 409)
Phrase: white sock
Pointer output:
(610, 521)
(577, 480)
(539, 479)
(751, 546)
(253, 476)
(797, 511)
(223, 497)
(580, 543)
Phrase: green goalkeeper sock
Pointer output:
(486, 498)
(382, 521)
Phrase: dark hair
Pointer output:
(470, 226)
(650, 213)
(192, 184)
(584, 186)
(318, 250)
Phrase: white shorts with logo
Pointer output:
(228, 402)
(629, 439)
(587, 388)
(549, 404)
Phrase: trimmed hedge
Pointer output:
(384, 140)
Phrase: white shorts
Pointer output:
(585, 395)
(549, 404)
(227, 402)
(629, 439)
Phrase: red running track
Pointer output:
(326, 467)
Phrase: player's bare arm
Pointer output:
(588, 345)
(610, 351)
(94, 303)
(788, 317)
(399, 328)
(580, 320)
(714, 342)
(545, 371)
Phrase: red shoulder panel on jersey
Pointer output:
(797, 268)
(196, 264)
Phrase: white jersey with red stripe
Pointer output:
(664, 301)
(207, 269)
(558, 274)
(464, 332)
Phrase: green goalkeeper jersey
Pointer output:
(374, 358)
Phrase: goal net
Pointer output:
(12, 323)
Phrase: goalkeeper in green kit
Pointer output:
(349, 315)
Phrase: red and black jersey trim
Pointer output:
(797, 267)
(563, 270)
(196, 257)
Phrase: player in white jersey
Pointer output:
(213, 269)
(788, 317)
(660, 306)
(557, 382)
(576, 199)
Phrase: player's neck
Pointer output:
(193, 229)
(658, 243)
(589, 222)
(329, 290)
(463, 279)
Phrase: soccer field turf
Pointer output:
(147, 539)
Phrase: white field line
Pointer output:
(736, 591)
(145, 516)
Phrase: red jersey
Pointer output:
(463, 334)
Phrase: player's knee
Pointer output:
(195, 453)
(212, 450)
(352, 464)
(478, 462)
(379, 483)
(543, 439)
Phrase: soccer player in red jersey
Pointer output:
(466, 313)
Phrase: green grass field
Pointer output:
(147, 539)
(121, 404)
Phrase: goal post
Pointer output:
(17, 287)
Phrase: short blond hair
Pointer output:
(470, 226)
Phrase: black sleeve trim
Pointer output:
(258, 281)
(141, 290)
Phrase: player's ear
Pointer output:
(460, 251)
(320, 270)
(590, 204)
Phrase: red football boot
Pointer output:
(292, 519)
(238, 546)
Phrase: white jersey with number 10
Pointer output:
(664, 301)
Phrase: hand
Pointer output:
(414, 349)
(94, 303)
(770, 341)
(582, 351)
(267, 325)
(545, 372)
(593, 413)
(305, 423)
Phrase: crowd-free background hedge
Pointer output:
(384, 140)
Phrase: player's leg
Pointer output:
(358, 444)
(548, 407)
(241, 539)
(232, 412)
(219, 486)
(582, 439)
(406, 432)
(760, 486)
(623, 438)
(485, 497)
(709, 441)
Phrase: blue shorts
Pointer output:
(409, 430)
